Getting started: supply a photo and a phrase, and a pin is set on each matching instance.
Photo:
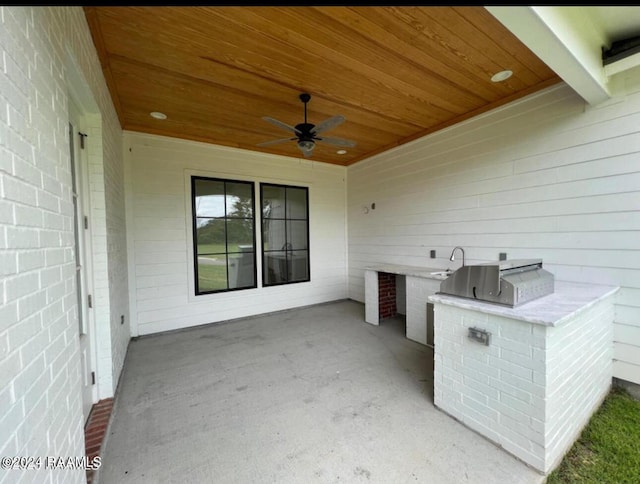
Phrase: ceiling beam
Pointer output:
(566, 40)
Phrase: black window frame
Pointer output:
(194, 218)
(265, 283)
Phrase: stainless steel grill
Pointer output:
(509, 282)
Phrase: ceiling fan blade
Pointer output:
(280, 124)
(274, 142)
(338, 141)
(332, 122)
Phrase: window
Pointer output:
(223, 234)
(285, 234)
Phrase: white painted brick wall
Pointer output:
(40, 399)
(578, 379)
(40, 412)
(534, 387)
(116, 249)
(107, 217)
(545, 177)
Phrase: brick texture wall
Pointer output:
(386, 295)
(534, 387)
(40, 387)
(40, 400)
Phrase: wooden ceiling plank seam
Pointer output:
(326, 98)
(324, 94)
(419, 124)
(173, 38)
(198, 80)
(308, 62)
(434, 93)
(93, 21)
(522, 72)
(170, 87)
(443, 26)
(338, 61)
(549, 77)
(253, 76)
(529, 66)
(423, 74)
(453, 73)
(409, 55)
(463, 51)
(502, 37)
(216, 134)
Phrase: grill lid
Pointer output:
(509, 282)
(522, 264)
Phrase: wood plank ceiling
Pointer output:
(394, 73)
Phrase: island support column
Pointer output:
(371, 297)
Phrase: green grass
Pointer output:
(211, 278)
(211, 249)
(608, 450)
(217, 248)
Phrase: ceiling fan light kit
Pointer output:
(307, 133)
(306, 145)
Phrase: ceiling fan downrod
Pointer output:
(305, 143)
(304, 97)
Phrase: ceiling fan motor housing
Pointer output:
(305, 129)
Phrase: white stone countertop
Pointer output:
(415, 271)
(567, 300)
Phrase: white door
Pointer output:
(82, 259)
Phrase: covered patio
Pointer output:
(305, 395)
(109, 334)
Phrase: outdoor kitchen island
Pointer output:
(396, 288)
(527, 377)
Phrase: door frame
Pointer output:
(88, 367)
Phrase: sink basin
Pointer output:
(446, 273)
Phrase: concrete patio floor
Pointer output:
(312, 395)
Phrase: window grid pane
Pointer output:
(285, 234)
(224, 234)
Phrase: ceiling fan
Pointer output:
(307, 133)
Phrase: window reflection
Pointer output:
(285, 234)
(224, 234)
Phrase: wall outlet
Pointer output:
(480, 335)
(503, 256)
(122, 319)
(433, 254)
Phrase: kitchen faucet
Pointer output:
(453, 252)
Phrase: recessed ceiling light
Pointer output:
(158, 115)
(342, 152)
(501, 76)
